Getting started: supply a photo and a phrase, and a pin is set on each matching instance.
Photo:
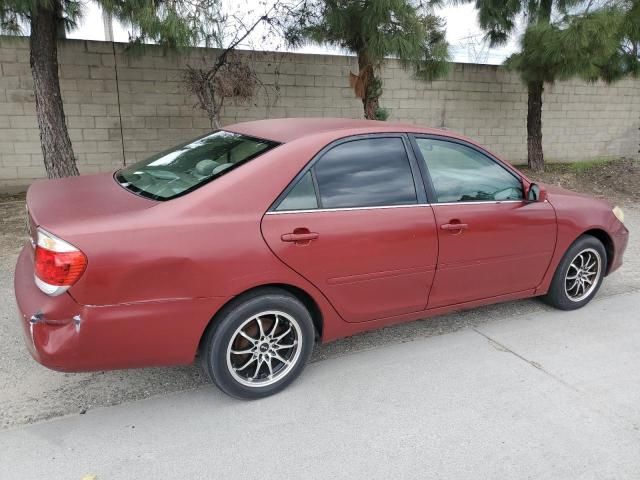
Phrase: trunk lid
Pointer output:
(56, 204)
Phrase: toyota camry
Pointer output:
(244, 247)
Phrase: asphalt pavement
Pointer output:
(542, 394)
(31, 393)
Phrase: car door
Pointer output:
(491, 241)
(355, 223)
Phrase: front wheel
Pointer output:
(258, 345)
(579, 274)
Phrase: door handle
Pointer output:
(454, 226)
(299, 236)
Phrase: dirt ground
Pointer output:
(615, 180)
(30, 392)
(12, 223)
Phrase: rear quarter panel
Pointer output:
(206, 244)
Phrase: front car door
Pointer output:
(491, 241)
(355, 223)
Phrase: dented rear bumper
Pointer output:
(64, 335)
(47, 322)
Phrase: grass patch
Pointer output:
(582, 166)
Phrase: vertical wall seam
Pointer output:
(115, 68)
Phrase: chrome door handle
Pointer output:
(299, 237)
(454, 226)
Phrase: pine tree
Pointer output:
(168, 23)
(563, 39)
(626, 59)
(375, 30)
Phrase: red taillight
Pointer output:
(59, 268)
(58, 264)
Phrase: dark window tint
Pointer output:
(462, 174)
(301, 197)
(365, 173)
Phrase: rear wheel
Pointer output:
(258, 345)
(579, 274)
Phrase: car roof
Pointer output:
(284, 130)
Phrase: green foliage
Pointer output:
(168, 23)
(626, 60)
(582, 166)
(374, 88)
(563, 39)
(583, 39)
(378, 27)
(375, 30)
(498, 18)
(12, 14)
(578, 47)
(172, 24)
(15, 14)
(382, 114)
(434, 63)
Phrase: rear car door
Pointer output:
(491, 241)
(355, 223)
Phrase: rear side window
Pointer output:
(463, 174)
(365, 173)
(184, 168)
(301, 197)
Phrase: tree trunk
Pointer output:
(54, 138)
(364, 87)
(534, 127)
(214, 119)
(535, 157)
(213, 111)
(371, 105)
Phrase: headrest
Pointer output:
(206, 167)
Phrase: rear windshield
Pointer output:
(186, 167)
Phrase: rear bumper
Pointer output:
(64, 335)
(620, 240)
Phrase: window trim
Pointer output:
(342, 209)
(418, 181)
(426, 175)
(144, 194)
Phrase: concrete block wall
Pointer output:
(122, 107)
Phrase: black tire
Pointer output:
(217, 359)
(558, 296)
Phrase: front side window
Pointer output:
(186, 167)
(365, 173)
(463, 174)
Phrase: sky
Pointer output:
(463, 34)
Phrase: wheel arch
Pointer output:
(607, 241)
(307, 300)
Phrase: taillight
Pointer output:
(58, 264)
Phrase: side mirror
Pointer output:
(536, 193)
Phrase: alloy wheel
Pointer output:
(583, 275)
(264, 348)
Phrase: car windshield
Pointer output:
(186, 167)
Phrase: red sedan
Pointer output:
(247, 245)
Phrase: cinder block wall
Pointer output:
(122, 107)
